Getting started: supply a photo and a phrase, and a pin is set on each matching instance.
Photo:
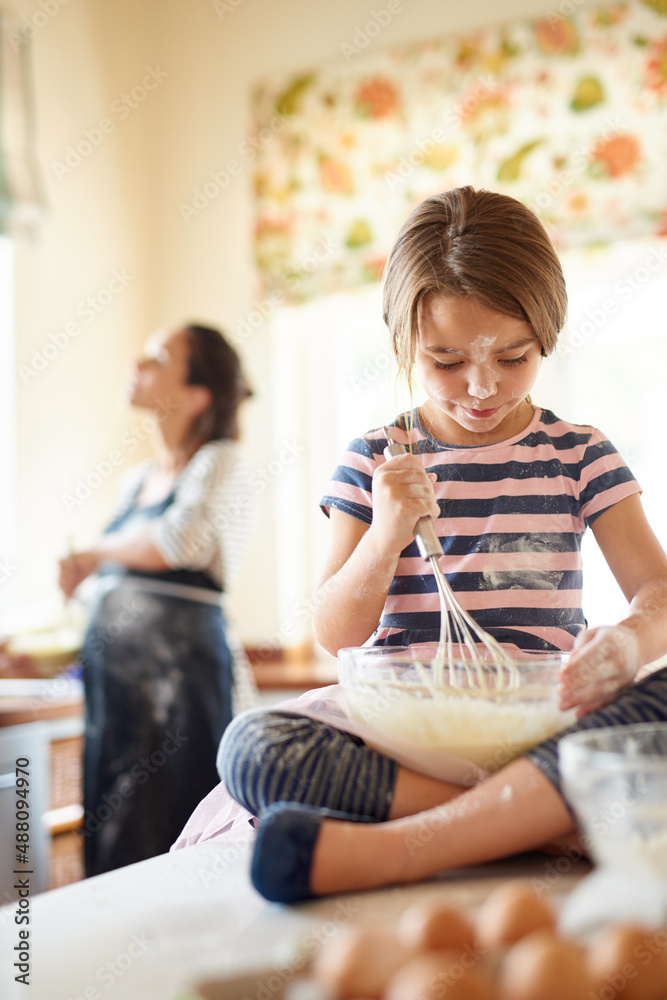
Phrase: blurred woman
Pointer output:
(157, 665)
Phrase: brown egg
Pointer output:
(544, 967)
(510, 912)
(631, 961)
(430, 926)
(436, 975)
(358, 961)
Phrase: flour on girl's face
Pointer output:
(474, 394)
(480, 349)
(481, 353)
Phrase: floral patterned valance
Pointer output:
(567, 114)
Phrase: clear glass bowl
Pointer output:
(396, 693)
(615, 779)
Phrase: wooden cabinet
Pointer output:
(43, 720)
(64, 816)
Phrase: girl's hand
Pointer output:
(402, 494)
(74, 569)
(604, 660)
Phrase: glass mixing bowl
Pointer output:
(615, 779)
(396, 693)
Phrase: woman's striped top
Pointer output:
(512, 516)
(209, 523)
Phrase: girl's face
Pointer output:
(159, 377)
(476, 366)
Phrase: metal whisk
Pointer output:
(462, 641)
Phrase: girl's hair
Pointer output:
(214, 363)
(475, 244)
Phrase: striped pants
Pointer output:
(274, 756)
(642, 702)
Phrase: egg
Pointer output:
(631, 961)
(510, 912)
(431, 926)
(543, 966)
(358, 961)
(435, 975)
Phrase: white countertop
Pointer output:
(49, 688)
(148, 931)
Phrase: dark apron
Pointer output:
(157, 674)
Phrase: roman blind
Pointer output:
(567, 113)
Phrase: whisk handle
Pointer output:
(428, 542)
(394, 449)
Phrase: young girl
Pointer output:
(474, 298)
(157, 664)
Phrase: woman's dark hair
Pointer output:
(214, 363)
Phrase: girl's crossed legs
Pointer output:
(414, 826)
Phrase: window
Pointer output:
(610, 371)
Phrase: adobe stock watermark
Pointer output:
(455, 970)
(266, 475)
(113, 970)
(131, 608)
(565, 10)
(219, 180)
(643, 954)
(431, 822)
(308, 945)
(229, 513)
(365, 33)
(51, 691)
(578, 160)
(301, 610)
(302, 952)
(554, 871)
(126, 784)
(7, 907)
(609, 652)
(121, 108)
(87, 310)
(104, 468)
(30, 27)
(261, 479)
(452, 118)
(324, 248)
(224, 7)
(7, 569)
(226, 855)
(624, 289)
(372, 370)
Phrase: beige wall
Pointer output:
(69, 414)
(119, 210)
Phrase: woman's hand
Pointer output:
(75, 568)
(402, 494)
(15, 664)
(604, 660)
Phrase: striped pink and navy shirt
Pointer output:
(512, 516)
